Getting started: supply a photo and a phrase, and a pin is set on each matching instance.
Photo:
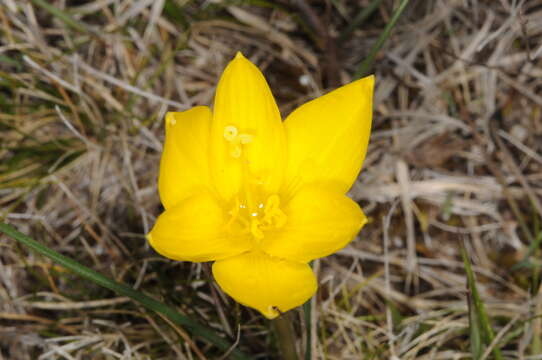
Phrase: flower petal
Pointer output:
(184, 165)
(321, 221)
(196, 230)
(327, 137)
(265, 283)
(247, 136)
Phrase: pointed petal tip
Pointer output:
(240, 63)
(240, 60)
(270, 313)
(321, 221)
(340, 125)
(183, 164)
(244, 100)
(169, 118)
(364, 221)
(173, 117)
(368, 81)
(150, 239)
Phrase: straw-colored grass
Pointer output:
(455, 160)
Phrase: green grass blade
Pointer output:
(10, 61)
(63, 16)
(365, 66)
(122, 289)
(475, 335)
(175, 12)
(360, 18)
(478, 308)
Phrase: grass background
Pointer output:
(455, 162)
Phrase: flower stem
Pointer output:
(286, 337)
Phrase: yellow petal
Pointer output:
(196, 230)
(184, 166)
(265, 283)
(327, 137)
(247, 136)
(321, 221)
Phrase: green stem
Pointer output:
(286, 337)
(307, 311)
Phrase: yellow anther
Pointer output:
(236, 140)
(235, 151)
(273, 215)
(245, 138)
(280, 218)
(230, 133)
(255, 229)
(276, 218)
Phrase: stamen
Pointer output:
(273, 215)
(235, 151)
(234, 212)
(255, 218)
(236, 140)
(245, 138)
(255, 229)
(230, 133)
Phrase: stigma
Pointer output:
(257, 220)
(236, 140)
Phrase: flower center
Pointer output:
(252, 212)
(256, 219)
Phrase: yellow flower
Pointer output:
(258, 196)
